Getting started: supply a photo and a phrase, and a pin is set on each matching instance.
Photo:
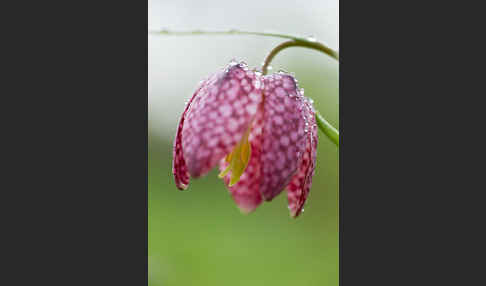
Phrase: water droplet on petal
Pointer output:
(311, 39)
(257, 84)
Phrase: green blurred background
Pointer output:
(198, 237)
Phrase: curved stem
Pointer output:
(293, 43)
(329, 130)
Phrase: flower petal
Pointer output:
(299, 187)
(218, 117)
(246, 192)
(179, 168)
(284, 133)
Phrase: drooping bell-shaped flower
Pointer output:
(260, 130)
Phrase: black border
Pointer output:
(400, 92)
(79, 78)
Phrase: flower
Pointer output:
(260, 130)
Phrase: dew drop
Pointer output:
(269, 68)
(233, 62)
(311, 39)
(257, 84)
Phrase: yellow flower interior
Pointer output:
(238, 159)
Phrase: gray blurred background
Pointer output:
(199, 237)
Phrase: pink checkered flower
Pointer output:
(260, 130)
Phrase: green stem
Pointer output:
(294, 41)
(308, 42)
(224, 32)
(329, 130)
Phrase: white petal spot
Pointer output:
(236, 104)
(278, 119)
(251, 108)
(212, 142)
(257, 84)
(232, 125)
(214, 90)
(293, 136)
(226, 85)
(225, 110)
(233, 92)
(284, 140)
(213, 115)
(288, 83)
(219, 129)
(280, 92)
(254, 96)
(280, 162)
